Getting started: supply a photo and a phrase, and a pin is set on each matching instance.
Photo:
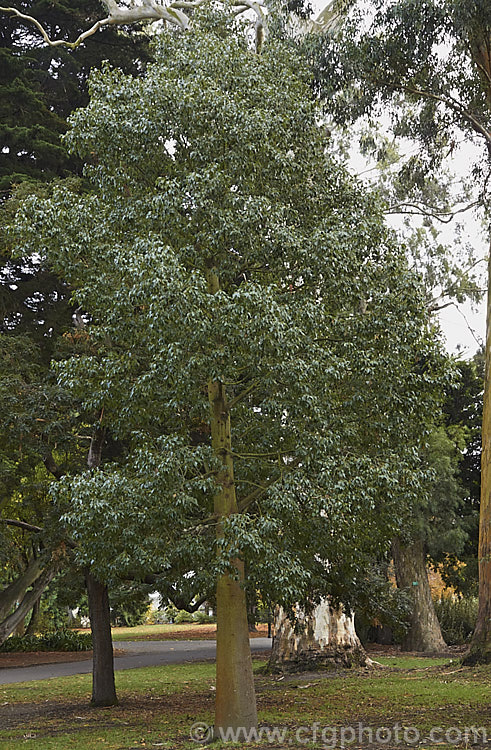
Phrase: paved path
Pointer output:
(138, 654)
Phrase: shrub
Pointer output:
(457, 618)
(61, 640)
(183, 616)
(203, 617)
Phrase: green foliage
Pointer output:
(183, 616)
(420, 51)
(41, 85)
(457, 618)
(203, 618)
(382, 605)
(418, 67)
(129, 605)
(213, 162)
(173, 615)
(60, 640)
(463, 412)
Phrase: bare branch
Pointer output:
(149, 10)
(433, 212)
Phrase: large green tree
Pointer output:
(258, 340)
(433, 58)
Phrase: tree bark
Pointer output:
(103, 685)
(33, 622)
(324, 640)
(235, 707)
(16, 590)
(15, 618)
(480, 650)
(424, 632)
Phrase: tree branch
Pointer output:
(242, 395)
(21, 524)
(431, 211)
(53, 467)
(256, 494)
(149, 10)
(452, 104)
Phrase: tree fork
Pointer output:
(235, 697)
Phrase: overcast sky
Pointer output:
(464, 326)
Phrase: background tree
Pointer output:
(434, 57)
(39, 88)
(463, 413)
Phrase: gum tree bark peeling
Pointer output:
(325, 639)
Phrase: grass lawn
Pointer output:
(181, 631)
(159, 705)
(164, 632)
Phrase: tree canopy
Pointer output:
(206, 165)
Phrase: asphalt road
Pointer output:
(137, 654)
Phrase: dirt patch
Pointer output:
(75, 714)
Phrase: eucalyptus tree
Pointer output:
(257, 338)
(435, 58)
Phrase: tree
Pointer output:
(322, 639)
(436, 58)
(240, 284)
(40, 86)
(424, 632)
(463, 413)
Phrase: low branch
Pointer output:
(8, 625)
(182, 604)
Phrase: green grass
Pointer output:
(158, 705)
(142, 632)
(412, 662)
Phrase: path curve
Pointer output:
(137, 654)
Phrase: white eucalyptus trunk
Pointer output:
(326, 639)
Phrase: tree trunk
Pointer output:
(235, 707)
(17, 589)
(33, 622)
(12, 621)
(424, 632)
(103, 686)
(324, 640)
(480, 650)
